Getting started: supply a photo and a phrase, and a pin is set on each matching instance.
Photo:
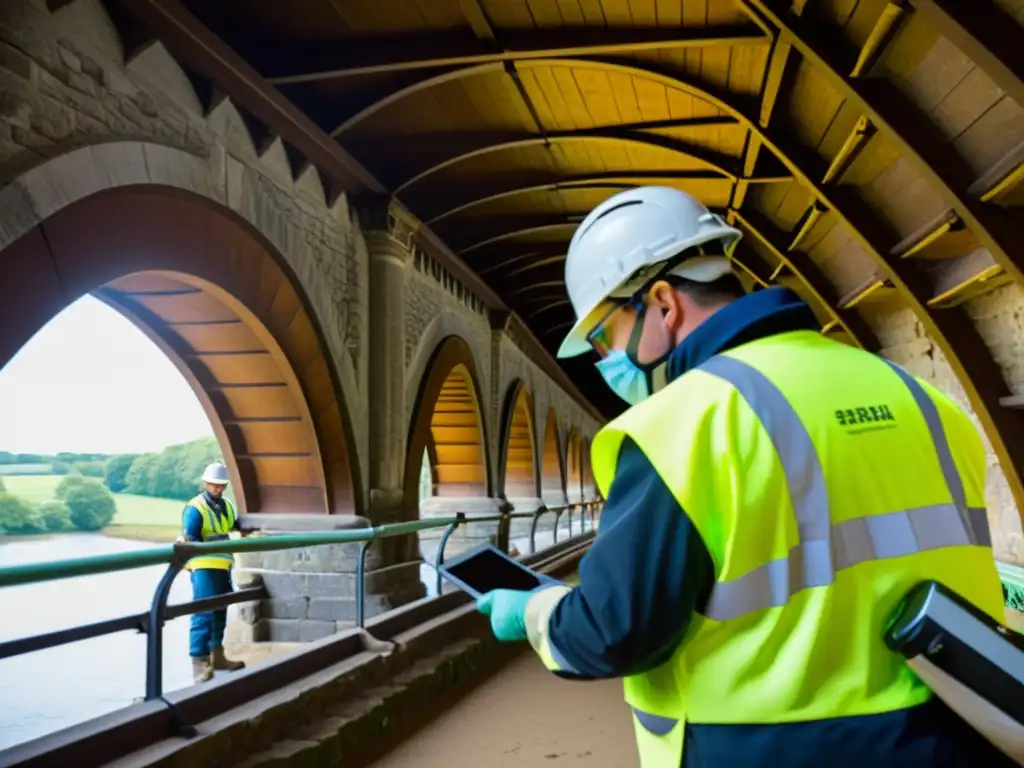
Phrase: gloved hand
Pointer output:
(506, 607)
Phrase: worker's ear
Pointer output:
(662, 315)
(662, 296)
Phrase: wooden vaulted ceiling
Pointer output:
(870, 150)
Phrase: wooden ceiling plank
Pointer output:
(913, 136)
(505, 227)
(801, 265)
(986, 33)
(919, 242)
(373, 56)
(483, 145)
(964, 278)
(451, 205)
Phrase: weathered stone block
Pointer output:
(288, 608)
(247, 613)
(310, 630)
(16, 62)
(244, 578)
(337, 608)
(278, 630)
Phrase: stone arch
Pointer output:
(573, 470)
(448, 416)
(518, 460)
(445, 324)
(552, 465)
(218, 299)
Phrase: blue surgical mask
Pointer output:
(624, 377)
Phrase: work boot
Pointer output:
(202, 669)
(220, 661)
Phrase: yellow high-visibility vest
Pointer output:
(215, 528)
(824, 482)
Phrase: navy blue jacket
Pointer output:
(648, 572)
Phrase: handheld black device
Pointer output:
(969, 660)
(483, 568)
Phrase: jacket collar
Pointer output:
(755, 316)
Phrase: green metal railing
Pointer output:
(175, 556)
(1012, 577)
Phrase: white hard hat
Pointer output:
(638, 228)
(216, 474)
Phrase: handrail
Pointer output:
(176, 555)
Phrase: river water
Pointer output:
(45, 691)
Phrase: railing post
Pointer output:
(460, 518)
(554, 530)
(533, 528)
(505, 526)
(360, 584)
(155, 625)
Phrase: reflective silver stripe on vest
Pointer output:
(216, 537)
(825, 548)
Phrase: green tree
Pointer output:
(91, 468)
(55, 516)
(174, 472)
(18, 516)
(60, 468)
(2, 486)
(91, 506)
(68, 484)
(118, 467)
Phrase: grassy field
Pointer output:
(138, 517)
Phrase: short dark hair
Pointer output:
(721, 291)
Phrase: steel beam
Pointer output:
(304, 63)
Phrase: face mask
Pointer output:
(624, 377)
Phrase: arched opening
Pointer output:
(448, 428)
(215, 297)
(518, 442)
(551, 467)
(574, 473)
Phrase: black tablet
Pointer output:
(484, 568)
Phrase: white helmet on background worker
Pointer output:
(630, 231)
(215, 474)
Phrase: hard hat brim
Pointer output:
(701, 269)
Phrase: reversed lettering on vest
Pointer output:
(876, 416)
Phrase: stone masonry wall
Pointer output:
(999, 317)
(64, 87)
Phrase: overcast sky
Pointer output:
(91, 382)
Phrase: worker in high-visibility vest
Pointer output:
(771, 495)
(210, 517)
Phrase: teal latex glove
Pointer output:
(507, 608)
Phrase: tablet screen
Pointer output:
(490, 570)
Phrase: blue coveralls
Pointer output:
(207, 630)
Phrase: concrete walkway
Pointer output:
(525, 716)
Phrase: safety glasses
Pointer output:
(599, 338)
